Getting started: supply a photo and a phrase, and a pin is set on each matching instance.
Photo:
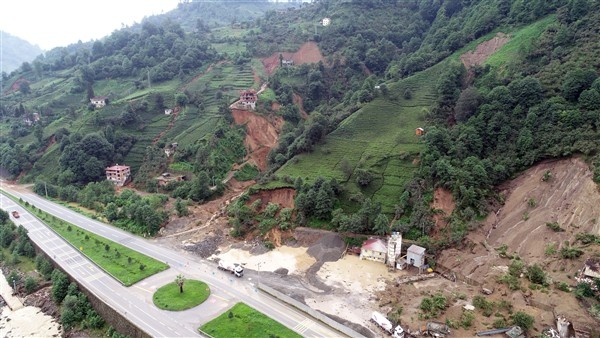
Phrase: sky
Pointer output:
(54, 23)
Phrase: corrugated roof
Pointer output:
(374, 244)
(416, 249)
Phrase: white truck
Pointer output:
(386, 325)
(235, 268)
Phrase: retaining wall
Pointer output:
(310, 311)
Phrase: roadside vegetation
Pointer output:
(182, 294)
(125, 265)
(30, 272)
(243, 321)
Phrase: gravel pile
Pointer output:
(206, 247)
(328, 248)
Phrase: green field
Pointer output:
(379, 137)
(243, 321)
(169, 298)
(125, 265)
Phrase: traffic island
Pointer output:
(169, 297)
(243, 321)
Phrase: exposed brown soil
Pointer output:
(481, 53)
(443, 203)
(262, 135)
(483, 50)
(309, 52)
(569, 198)
(297, 99)
(283, 196)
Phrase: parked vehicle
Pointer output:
(235, 268)
(386, 325)
(16, 214)
(438, 330)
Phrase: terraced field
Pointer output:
(379, 137)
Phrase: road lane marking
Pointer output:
(304, 326)
(221, 298)
(141, 288)
(94, 277)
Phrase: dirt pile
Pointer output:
(308, 53)
(327, 249)
(206, 246)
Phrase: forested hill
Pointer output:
(15, 51)
(348, 145)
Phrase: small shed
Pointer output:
(374, 249)
(415, 256)
(419, 131)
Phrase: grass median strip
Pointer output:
(243, 321)
(170, 298)
(125, 265)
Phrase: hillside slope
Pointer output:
(15, 51)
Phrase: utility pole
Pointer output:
(46, 189)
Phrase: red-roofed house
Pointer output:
(374, 249)
(118, 174)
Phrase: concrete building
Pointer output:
(248, 98)
(415, 256)
(118, 174)
(99, 101)
(374, 249)
(394, 247)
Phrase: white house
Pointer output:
(415, 256)
(326, 21)
(374, 249)
(99, 101)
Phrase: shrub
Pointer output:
(569, 252)
(554, 226)
(466, 319)
(550, 249)
(523, 320)
(516, 267)
(536, 274)
(30, 284)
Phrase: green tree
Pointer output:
(381, 225)
(527, 91)
(30, 284)
(181, 208)
(180, 280)
(60, 285)
(576, 81)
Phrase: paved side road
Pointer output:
(135, 302)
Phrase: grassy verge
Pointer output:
(243, 321)
(169, 298)
(125, 265)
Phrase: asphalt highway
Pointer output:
(135, 302)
